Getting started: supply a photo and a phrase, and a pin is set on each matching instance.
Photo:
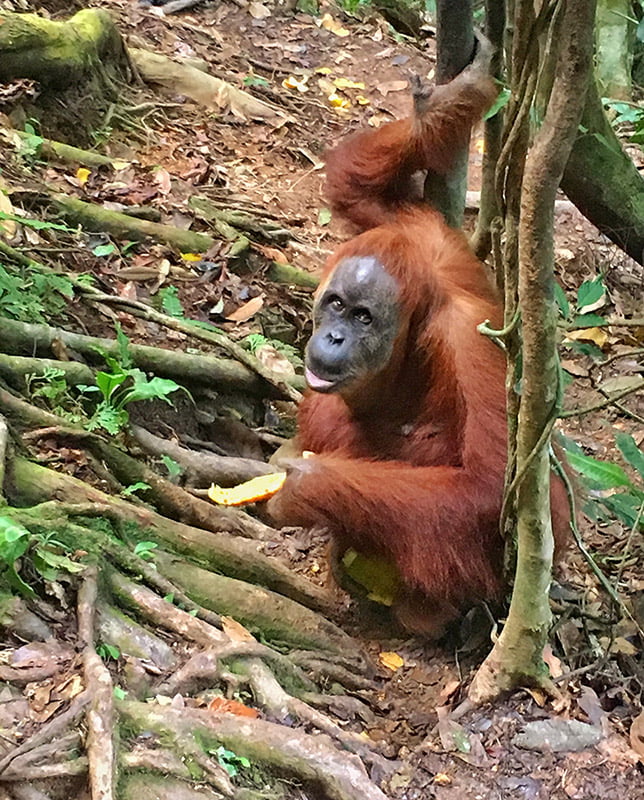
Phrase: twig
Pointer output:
(578, 412)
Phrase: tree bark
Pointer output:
(517, 657)
(58, 54)
(603, 182)
(454, 49)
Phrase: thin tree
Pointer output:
(529, 187)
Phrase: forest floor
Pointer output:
(176, 149)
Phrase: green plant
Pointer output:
(31, 296)
(43, 551)
(230, 761)
(630, 115)
(107, 651)
(133, 488)
(590, 297)
(30, 145)
(14, 541)
(145, 550)
(174, 469)
(170, 303)
(254, 341)
(611, 492)
(124, 384)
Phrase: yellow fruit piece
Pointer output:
(379, 577)
(391, 660)
(260, 488)
(345, 83)
(293, 83)
(82, 175)
(338, 102)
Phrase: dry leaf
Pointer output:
(637, 735)
(221, 705)
(391, 660)
(8, 227)
(596, 335)
(554, 663)
(442, 779)
(450, 688)
(622, 383)
(248, 310)
(235, 631)
(330, 24)
(139, 274)
(391, 86)
(275, 361)
(324, 70)
(162, 180)
(361, 100)
(377, 120)
(258, 11)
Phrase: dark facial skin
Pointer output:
(356, 320)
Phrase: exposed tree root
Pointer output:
(100, 714)
(202, 468)
(312, 759)
(22, 338)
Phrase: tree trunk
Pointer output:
(454, 48)
(58, 54)
(614, 40)
(517, 657)
(603, 182)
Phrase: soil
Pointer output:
(178, 150)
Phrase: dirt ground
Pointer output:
(179, 149)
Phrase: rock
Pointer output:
(558, 736)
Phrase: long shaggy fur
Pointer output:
(417, 476)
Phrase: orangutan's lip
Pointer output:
(317, 384)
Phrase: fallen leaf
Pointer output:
(637, 735)
(221, 705)
(361, 100)
(163, 181)
(554, 663)
(235, 631)
(377, 120)
(391, 660)
(450, 688)
(391, 86)
(330, 24)
(622, 383)
(8, 227)
(324, 70)
(247, 310)
(596, 335)
(442, 779)
(258, 11)
(274, 360)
